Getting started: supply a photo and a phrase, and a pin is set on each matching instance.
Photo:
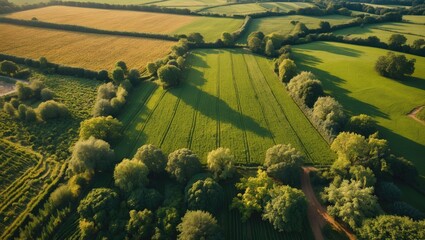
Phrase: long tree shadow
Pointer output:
(226, 113)
(414, 82)
(332, 84)
(405, 147)
(326, 47)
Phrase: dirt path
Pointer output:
(317, 215)
(413, 113)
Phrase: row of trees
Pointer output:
(11, 69)
(361, 188)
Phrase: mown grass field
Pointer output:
(191, 4)
(386, 6)
(347, 73)
(91, 51)
(248, 8)
(414, 19)
(282, 25)
(384, 31)
(228, 98)
(133, 21)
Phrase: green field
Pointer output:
(211, 28)
(414, 19)
(384, 31)
(249, 8)
(282, 25)
(386, 6)
(228, 98)
(347, 73)
(190, 4)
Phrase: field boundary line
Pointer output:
(194, 118)
(84, 30)
(147, 120)
(235, 86)
(140, 107)
(167, 129)
(284, 114)
(217, 104)
(257, 96)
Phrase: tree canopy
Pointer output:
(351, 201)
(104, 128)
(152, 157)
(91, 155)
(284, 162)
(205, 194)
(392, 227)
(287, 70)
(199, 225)
(221, 163)
(395, 66)
(255, 194)
(130, 175)
(183, 164)
(287, 209)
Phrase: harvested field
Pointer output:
(132, 21)
(91, 51)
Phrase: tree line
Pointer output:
(76, 28)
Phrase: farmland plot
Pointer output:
(347, 73)
(384, 31)
(91, 51)
(249, 8)
(132, 21)
(282, 25)
(227, 98)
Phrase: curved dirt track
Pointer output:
(317, 215)
(413, 113)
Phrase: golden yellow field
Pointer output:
(91, 51)
(132, 21)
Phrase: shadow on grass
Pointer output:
(195, 78)
(326, 47)
(332, 83)
(405, 147)
(414, 82)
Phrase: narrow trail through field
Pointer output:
(413, 113)
(317, 215)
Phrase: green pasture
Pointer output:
(347, 73)
(188, 3)
(282, 25)
(384, 31)
(386, 5)
(249, 8)
(228, 98)
(414, 19)
(211, 27)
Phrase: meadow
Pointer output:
(384, 31)
(31, 166)
(210, 28)
(414, 19)
(282, 25)
(91, 51)
(347, 73)
(228, 98)
(249, 8)
(190, 4)
(386, 5)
